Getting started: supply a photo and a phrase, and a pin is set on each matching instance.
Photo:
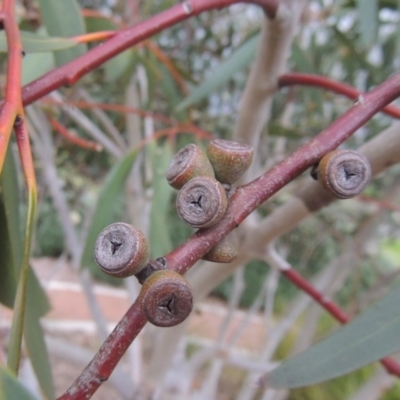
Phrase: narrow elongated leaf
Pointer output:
(34, 43)
(34, 339)
(368, 15)
(102, 216)
(160, 239)
(11, 388)
(239, 59)
(10, 263)
(369, 337)
(63, 18)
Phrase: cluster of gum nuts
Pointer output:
(204, 182)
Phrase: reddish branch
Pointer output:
(390, 365)
(12, 101)
(63, 131)
(71, 72)
(322, 82)
(245, 200)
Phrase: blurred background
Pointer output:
(193, 82)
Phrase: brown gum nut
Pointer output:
(121, 250)
(225, 251)
(166, 298)
(229, 159)
(202, 202)
(344, 173)
(188, 163)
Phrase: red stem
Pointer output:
(71, 72)
(322, 82)
(390, 365)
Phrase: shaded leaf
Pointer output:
(34, 43)
(370, 337)
(11, 387)
(35, 65)
(63, 19)
(10, 263)
(160, 238)
(102, 215)
(34, 340)
(239, 59)
(368, 21)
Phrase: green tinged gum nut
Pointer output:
(229, 159)
(225, 251)
(188, 163)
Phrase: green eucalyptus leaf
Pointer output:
(35, 65)
(11, 388)
(160, 238)
(34, 43)
(102, 216)
(63, 18)
(371, 336)
(239, 59)
(368, 16)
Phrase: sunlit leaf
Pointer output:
(239, 59)
(369, 337)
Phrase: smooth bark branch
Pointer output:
(322, 82)
(71, 72)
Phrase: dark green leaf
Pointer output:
(369, 337)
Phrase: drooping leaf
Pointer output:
(160, 238)
(368, 16)
(36, 346)
(63, 19)
(239, 59)
(35, 43)
(102, 215)
(12, 388)
(35, 65)
(10, 262)
(371, 336)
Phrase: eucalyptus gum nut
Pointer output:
(121, 250)
(344, 173)
(187, 164)
(166, 298)
(225, 251)
(201, 202)
(229, 159)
